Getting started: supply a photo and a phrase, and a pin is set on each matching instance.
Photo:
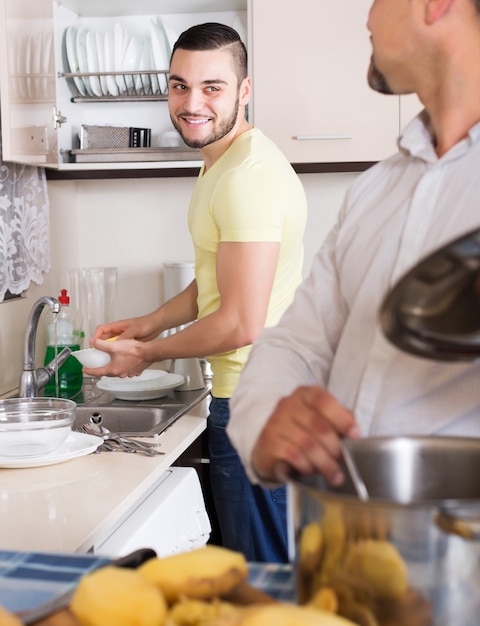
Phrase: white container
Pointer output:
(177, 277)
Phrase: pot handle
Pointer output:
(459, 522)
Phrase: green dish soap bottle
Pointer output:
(65, 330)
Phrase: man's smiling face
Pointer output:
(204, 95)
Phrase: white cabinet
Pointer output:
(310, 91)
(42, 111)
(308, 64)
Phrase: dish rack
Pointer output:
(138, 85)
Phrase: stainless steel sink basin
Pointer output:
(141, 420)
(144, 419)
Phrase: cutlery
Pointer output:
(126, 443)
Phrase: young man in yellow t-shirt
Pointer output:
(247, 219)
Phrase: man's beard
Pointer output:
(224, 128)
(377, 80)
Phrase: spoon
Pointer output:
(124, 442)
(104, 432)
(357, 480)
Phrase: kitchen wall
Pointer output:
(135, 225)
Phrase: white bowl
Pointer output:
(91, 357)
(34, 426)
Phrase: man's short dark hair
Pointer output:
(213, 36)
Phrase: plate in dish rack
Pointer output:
(75, 445)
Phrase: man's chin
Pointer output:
(192, 143)
(377, 80)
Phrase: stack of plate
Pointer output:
(149, 385)
(121, 54)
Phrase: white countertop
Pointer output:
(70, 506)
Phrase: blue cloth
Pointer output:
(252, 520)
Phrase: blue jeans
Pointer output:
(252, 520)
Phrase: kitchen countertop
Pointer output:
(71, 506)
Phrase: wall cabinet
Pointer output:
(44, 107)
(307, 61)
(310, 91)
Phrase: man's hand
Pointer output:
(303, 433)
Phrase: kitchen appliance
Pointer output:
(172, 518)
(177, 277)
(424, 503)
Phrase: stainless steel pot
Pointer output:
(422, 522)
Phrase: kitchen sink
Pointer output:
(144, 419)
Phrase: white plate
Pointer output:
(131, 62)
(148, 379)
(170, 33)
(100, 45)
(92, 62)
(120, 42)
(81, 49)
(157, 390)
(110, 63)
(71, 47)
(160, 53)
(76, 444)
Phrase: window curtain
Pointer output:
(24, 227)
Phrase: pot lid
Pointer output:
(434, 310)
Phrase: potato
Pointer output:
(114, 596)
(200, 612)
(8, 619)
(291, 615)
(203, 573)
(310, 547)
(379, 564)
(325, 599)
(335, 542)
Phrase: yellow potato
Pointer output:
(201, 612)
(335, 542)
(379, 564)
(310, 547)
(8, 619)
(358, 613)
(325, 599)
(114, 596)
(202, 573)
(291, 615)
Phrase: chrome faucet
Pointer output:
(31, 379)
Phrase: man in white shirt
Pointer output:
(326, 371)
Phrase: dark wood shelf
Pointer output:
(178, 172)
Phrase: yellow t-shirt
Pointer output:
(251, 194)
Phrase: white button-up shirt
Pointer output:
(394, 214)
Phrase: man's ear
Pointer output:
(245, 91)
(436, 9)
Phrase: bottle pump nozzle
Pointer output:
(64, 298)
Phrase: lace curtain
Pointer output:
(24, 227)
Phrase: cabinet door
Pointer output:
(310, 91)
(28, 82)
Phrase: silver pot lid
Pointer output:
(434, 310)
